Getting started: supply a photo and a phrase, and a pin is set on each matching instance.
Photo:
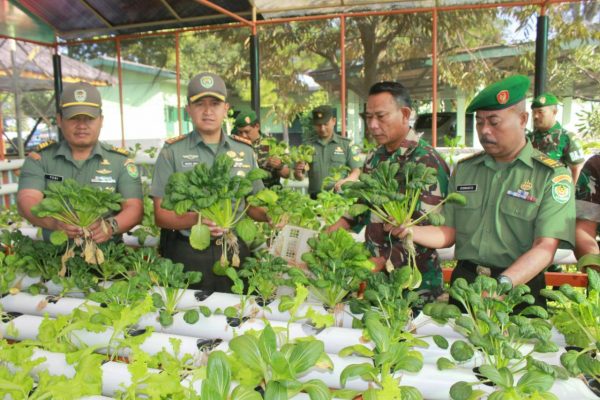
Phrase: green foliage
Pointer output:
(277, 149)
(265, 273)
(10, 217)
(330, 206)
(337, 265)
(287, 206)
(303, 153)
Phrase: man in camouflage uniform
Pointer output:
(588, 208)
(247, 126)
(82, 157)
(207, 108)
(387, 116)
(331, 151)
(520, 204)
(550, 138)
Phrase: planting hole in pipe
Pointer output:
(201, 295)
(208, 344)
(9, 316)
(234, 322)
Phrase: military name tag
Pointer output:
(466, 188)
(188, 164)
(103, 179)
(55, 178)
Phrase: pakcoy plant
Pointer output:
(258, 361)
(215, 194)
(577, 316)
(78, 205)
(337, 264)
(217, 384)
(392, 193)
(302, 154)
(505, 340)
(277, 149)
(391, 355)
(331, 206)
(388, 297)
(265, 273)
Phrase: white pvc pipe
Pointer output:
(116, 377)
(40, 305)
(23, 281)
(26, 326)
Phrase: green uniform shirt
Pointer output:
(509, 205)
(107, 167)
(558, 144)
(336, 152)
(588, 191)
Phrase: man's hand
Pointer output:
(299, 170)
(338, 185)
(101, 231)
(274, 163)
(72, 231)
(379, 263)
(215, 231)
(399, 231)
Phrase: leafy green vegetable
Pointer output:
(393, 194)
(303, 153)
(215, 194)
(265, 273)
(78, 205)
(277, 149)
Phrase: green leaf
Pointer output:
(357, 349)
(281, 367)
(246, 348)
(588, 365)
(165, 318)
(58, 237)
(460, 391)
(200, 237)
(535, 381)
(246, 230)
(275, 391)
(305, 355)
(242, 392)
(410, 393)
(316, 390)
(461, 351)
(219, 372)
(501, 377)
(440, 341)
(443, 363)
(191, 316)
(364, 370)
(267, 343)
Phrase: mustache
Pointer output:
(486, 140)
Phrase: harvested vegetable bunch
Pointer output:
(277, 149)
(303, 153)
(78, 205)
(380, 192)
(337, 265)
(215, 194)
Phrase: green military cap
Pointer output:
(206, 84)
(543, 100)
(322, 115)
(80, 98)
(245, 118)
(501, 94)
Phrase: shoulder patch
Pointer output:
(547, 161)
(35, 156)
(175, 139)
(472, 156)
(45, 145)
(119, 150)
(241, 140)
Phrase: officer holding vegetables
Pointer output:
(520, 202)
(331, 150)
(247, 126)
(207, 108)
(82, 157)
(387, 116)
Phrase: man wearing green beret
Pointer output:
(207, 107)
(82, 157)
(247, 126)
(520, 202)
(331, 151)
(550, 138)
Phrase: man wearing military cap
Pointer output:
(551, 138)
(247, 126)
(207, 107)
(520, 203)
(82, 157)
(331, 151)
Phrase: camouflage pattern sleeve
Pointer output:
(574, 151)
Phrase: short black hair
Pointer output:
(398, 91)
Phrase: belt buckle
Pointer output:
(481, 270)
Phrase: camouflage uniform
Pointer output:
(378, 241)
(558, 144)
(588, 191)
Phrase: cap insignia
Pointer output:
(319, 115)
(503, 96)
(543, 99)
(207, 81)
(247, 120)
(527, 185)
(80, 95)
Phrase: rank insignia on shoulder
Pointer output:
(563, 177)
(45, 145)
(35, 156)
(120, 150)
(547, 161)
(241, 140)
(175, 139)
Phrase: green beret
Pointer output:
(501, 94)
(244, 118)
(543, 100)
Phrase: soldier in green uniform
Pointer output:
(207, 108)
(588, 208)
(551, 138)
(520, 203)
(331, 151)
(247, 126)
(387, 118)
(82, 157)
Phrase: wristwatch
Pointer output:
(505, 279)
(114, 225)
